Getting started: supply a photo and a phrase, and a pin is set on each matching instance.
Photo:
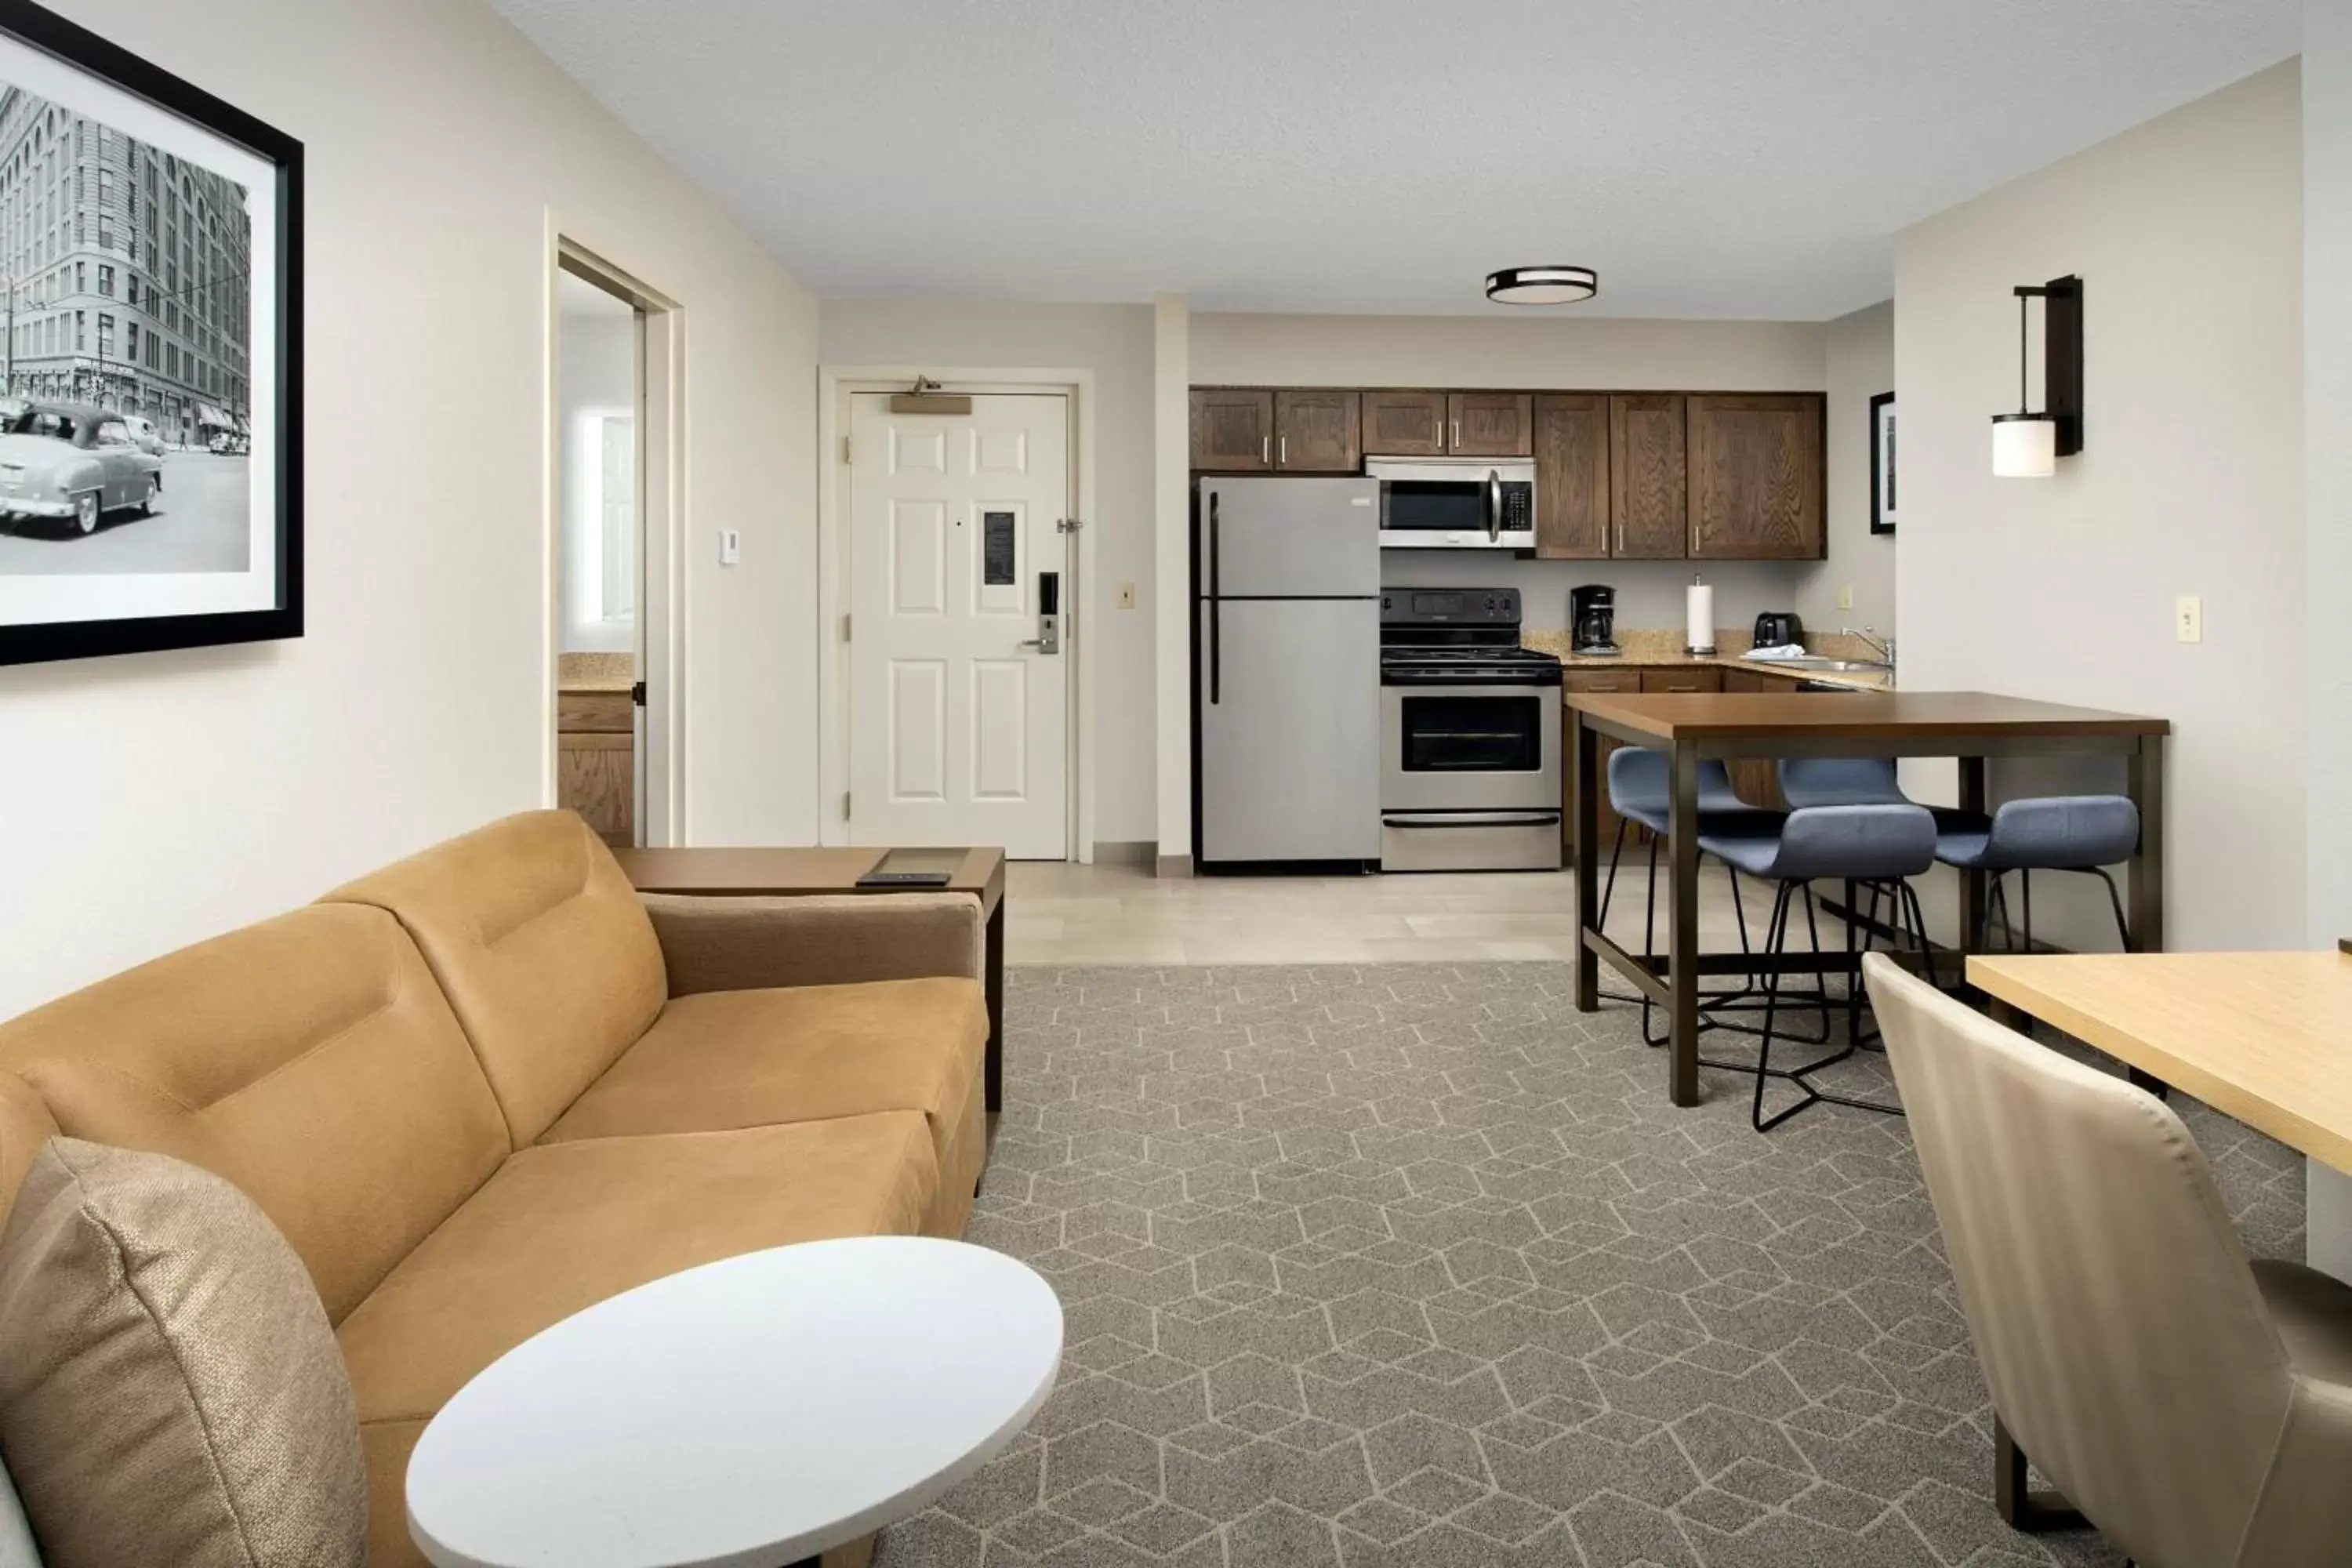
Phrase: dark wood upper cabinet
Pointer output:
(1648, 520)
(1317, 432)
(1404, 424)
(1756, 478)
(1489, 424)
(1232, 429)
(1571, 450)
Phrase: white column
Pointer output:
(1171, 381)
(2327, 515)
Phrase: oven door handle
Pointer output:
(1470, 819)
(1494, 506)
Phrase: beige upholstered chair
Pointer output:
(2197, 1408)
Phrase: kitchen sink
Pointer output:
(1842, 665)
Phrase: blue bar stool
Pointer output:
(1877, 844)
(2084, 833)
(1863, 781)
(1641, 792)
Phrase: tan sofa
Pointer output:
(490, 1085)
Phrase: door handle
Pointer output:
(1216, 672)
(1049, 615)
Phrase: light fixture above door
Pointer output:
(2027, 445)
(1542, 285)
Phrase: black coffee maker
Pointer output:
(1592, 618)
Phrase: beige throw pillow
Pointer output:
(170, 1388)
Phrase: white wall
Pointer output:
(2328, 530)
(177, 794)
(1115, 342)
(1859, 362)
(1538, 353)
(2186, 233)
(596, 374)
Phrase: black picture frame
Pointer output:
(80, 50)
(1883, 495)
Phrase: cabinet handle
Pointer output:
(1456, 442)
(1285, 452)
(1265, 450)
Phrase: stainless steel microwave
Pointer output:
(1455, 503)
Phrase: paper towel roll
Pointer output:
(1698, 617)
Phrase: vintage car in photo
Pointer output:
(74, 462)
(143, 435)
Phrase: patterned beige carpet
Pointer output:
(1415, 1266)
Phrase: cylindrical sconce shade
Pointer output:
(2024, 447)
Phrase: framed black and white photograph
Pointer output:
(150, 355)
(1882, 463)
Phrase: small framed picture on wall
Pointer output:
(150, 311)
(1882, 463)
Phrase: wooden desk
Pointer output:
(1696, 727)
(802, 873)
(2265, 1037)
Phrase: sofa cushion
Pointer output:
(171, 1392)
(535, 934)
(309, 1059)
(754, 1058)
(564, 1225)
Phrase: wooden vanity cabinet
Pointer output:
(596, 762)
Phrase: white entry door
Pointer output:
(958, 733)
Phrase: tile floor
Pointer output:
(1065, 914)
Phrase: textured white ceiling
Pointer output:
(1712, 158)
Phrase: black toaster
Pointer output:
(1779, 628)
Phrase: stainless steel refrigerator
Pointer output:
(1286, 680)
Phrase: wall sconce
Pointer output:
(2027, 445)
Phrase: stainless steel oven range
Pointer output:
(1470, 725)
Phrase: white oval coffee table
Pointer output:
(747, 1414)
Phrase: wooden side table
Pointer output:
(802, 873)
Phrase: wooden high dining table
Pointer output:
(1691, 728)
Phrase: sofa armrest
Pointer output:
(753, 944)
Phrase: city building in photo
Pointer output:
(124, 276)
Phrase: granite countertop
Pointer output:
(595, 671)
(1663, 648)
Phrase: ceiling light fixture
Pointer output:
(2026, 445)
(1542, 285)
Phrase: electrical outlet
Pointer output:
(2188, 619)
(730, 547)
(1126, 595)
(1845, 596)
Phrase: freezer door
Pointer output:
(1289, 538)
(1289, 701)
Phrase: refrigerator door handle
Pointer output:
(1216, 674)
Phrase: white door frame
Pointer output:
(661, 448)
(835, 385)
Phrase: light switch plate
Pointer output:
(730, 547)
(1126, 595)
(1845, 596)
(2188, 619)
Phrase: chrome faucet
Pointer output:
(1885, 646)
